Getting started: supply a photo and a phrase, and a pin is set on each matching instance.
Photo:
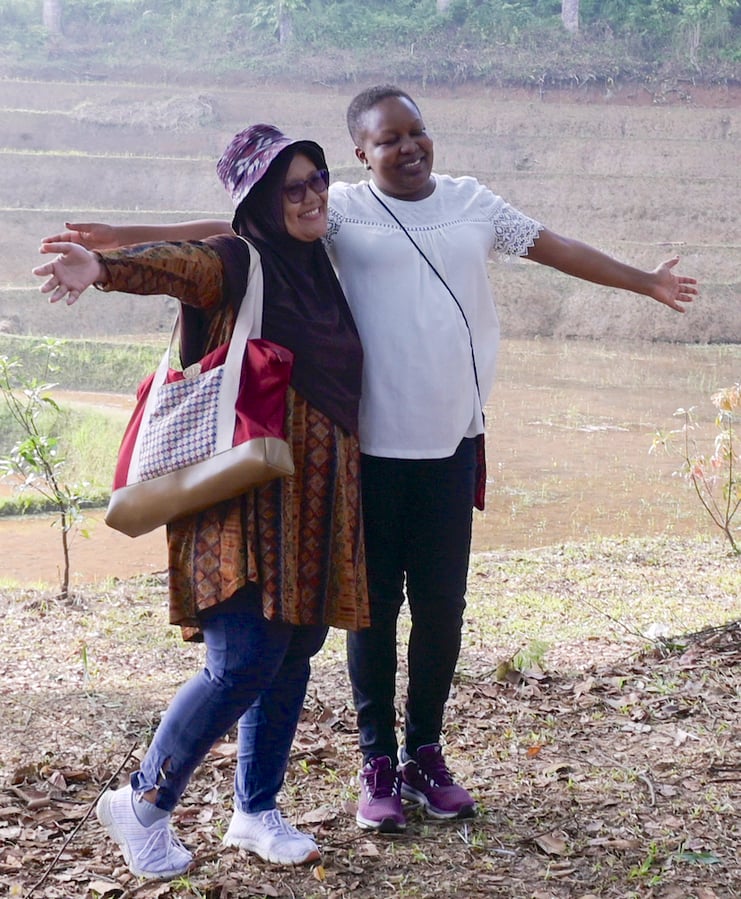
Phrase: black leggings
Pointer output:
(418, 516)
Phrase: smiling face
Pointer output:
(307, 220)
(392, 141)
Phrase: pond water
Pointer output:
(569, 428)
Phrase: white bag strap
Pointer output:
(247, 326)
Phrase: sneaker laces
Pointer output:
(277, 825)
(434, 770)
(380, 781)
(162, 841)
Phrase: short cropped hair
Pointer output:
(366, 100)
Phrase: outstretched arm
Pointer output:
(190, 271)
(583, 261)
(100, 236)
(70, 273)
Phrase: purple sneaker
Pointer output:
(379, 804)
(427, 781)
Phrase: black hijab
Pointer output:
(304, 308)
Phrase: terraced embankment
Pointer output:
(641, 181)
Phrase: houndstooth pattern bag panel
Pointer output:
(182, 426)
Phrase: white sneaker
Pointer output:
(153, 852)
(270, 836)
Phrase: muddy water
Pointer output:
(569, 427)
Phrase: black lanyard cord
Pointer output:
(445, 285)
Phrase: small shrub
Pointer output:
(716, 478)
(35, 462)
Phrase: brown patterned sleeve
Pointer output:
(190, 271)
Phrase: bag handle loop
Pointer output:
(247, 325)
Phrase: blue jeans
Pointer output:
(418, 518)
(256, 673)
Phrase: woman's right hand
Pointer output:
(73, 270)
(91, 235)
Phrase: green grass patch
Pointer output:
(95, 365)
(30, 502)
(537, 607)
(89, 441)
(570, 593)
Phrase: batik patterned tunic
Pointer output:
(300, 537)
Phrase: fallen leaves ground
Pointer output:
(609, 767)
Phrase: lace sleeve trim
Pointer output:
(514, 233)
(334, 221)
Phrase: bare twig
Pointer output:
(40, 882)
(649, 785)
(39, 712)
(617, 621)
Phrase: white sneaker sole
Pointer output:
(312, 855)
(386, 826)
(412, 795)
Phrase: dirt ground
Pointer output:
(610, 768)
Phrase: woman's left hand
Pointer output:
(673, 290)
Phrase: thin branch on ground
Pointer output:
(45, 876)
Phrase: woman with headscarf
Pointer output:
(259, 578)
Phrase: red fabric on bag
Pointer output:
(261, 404)
(480, 493)
(261, 401)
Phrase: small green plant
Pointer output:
(88, 668)
(418, 854)
(35, 462)
(513, 669)
(474, 839)
(716, 479)
(186, 886)
(531, 656)
(646, 868)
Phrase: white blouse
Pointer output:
(419, 395)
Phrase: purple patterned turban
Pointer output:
(250, 154)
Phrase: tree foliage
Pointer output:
(614, 35)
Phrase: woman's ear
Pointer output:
(360, 155)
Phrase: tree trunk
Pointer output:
(52, 16)
(285, 25)
(570, 15)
